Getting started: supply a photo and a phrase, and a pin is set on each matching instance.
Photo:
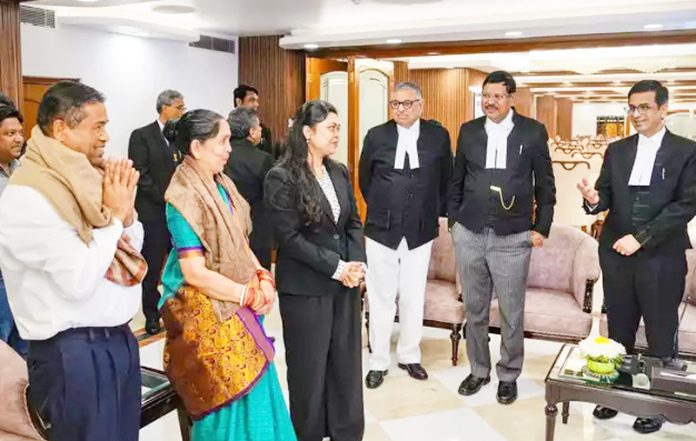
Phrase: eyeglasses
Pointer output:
(641, 108)
(496, 97)
(394, 104)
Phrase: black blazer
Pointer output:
(308, 255)
(405, 203)
(671, 201)
(247, 167)
(155, 160)
(528, 177)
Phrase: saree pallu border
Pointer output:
(212, 363)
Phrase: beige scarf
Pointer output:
(224, 234)
(74, 188)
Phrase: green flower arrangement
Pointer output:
(603, 355)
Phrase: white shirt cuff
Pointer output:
(339, 270)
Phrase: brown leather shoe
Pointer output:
(415, 370)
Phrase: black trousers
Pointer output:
(323, 354)
(85, 383)
(155, 247)
(647, 286)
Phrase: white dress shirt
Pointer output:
(54, 280)
(641, 173)
(407, 145)
(496, 148)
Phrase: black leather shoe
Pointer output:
(647, 425)
(472, 384)
(507, 392)
(374, 379)
(415, 370)
(604, 413)
(152, 326)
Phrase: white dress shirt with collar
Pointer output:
(54, 280)
(641, 173)
(407, 145)
(496, 148)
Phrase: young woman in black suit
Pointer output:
(319, 266)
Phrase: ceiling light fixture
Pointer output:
(433, 53)
(394, 41)
(311, 46)
(567, 83)
(513, 34)
(652, 26)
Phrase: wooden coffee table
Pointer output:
(563, 388)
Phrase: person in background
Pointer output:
(247, 96)
(155, 158)
(11, 147)
(319, 266)
(247, 167)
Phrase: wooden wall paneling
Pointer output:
(564, 118)
(10, 52)
(279, 76)
(446, 95)
(546, 113)
(524, 102)
(401, 73)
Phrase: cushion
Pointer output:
(687, 331)
(551, 313)
(442, 302)
(442, 262)
(14, 417)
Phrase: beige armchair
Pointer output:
(443, 302)
(686, 334)
(15, 422)
(562, 274)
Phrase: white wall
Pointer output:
(585, 116)
(131, 71)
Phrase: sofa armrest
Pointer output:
(585, 272)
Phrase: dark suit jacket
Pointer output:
(405, 203)
(671, 202)
(266, 143)
(248, 167)
(528, 177)
(308, 255)
(154, 159)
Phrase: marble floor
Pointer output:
(403, 409)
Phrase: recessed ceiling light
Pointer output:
(173, 9)
(433, 53)
(311, 46)
(513, 34)
(652, 26)
(567, 83)
(394, 41)
(616, 83)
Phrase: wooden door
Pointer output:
(34, 89)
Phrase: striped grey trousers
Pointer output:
(486, 263)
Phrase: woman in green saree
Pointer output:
(217, 354)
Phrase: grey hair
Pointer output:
(241, 120)
(166, 98)
(407, 85)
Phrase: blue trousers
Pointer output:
(84, 383)
(8, 329)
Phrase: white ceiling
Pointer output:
(332, 23)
